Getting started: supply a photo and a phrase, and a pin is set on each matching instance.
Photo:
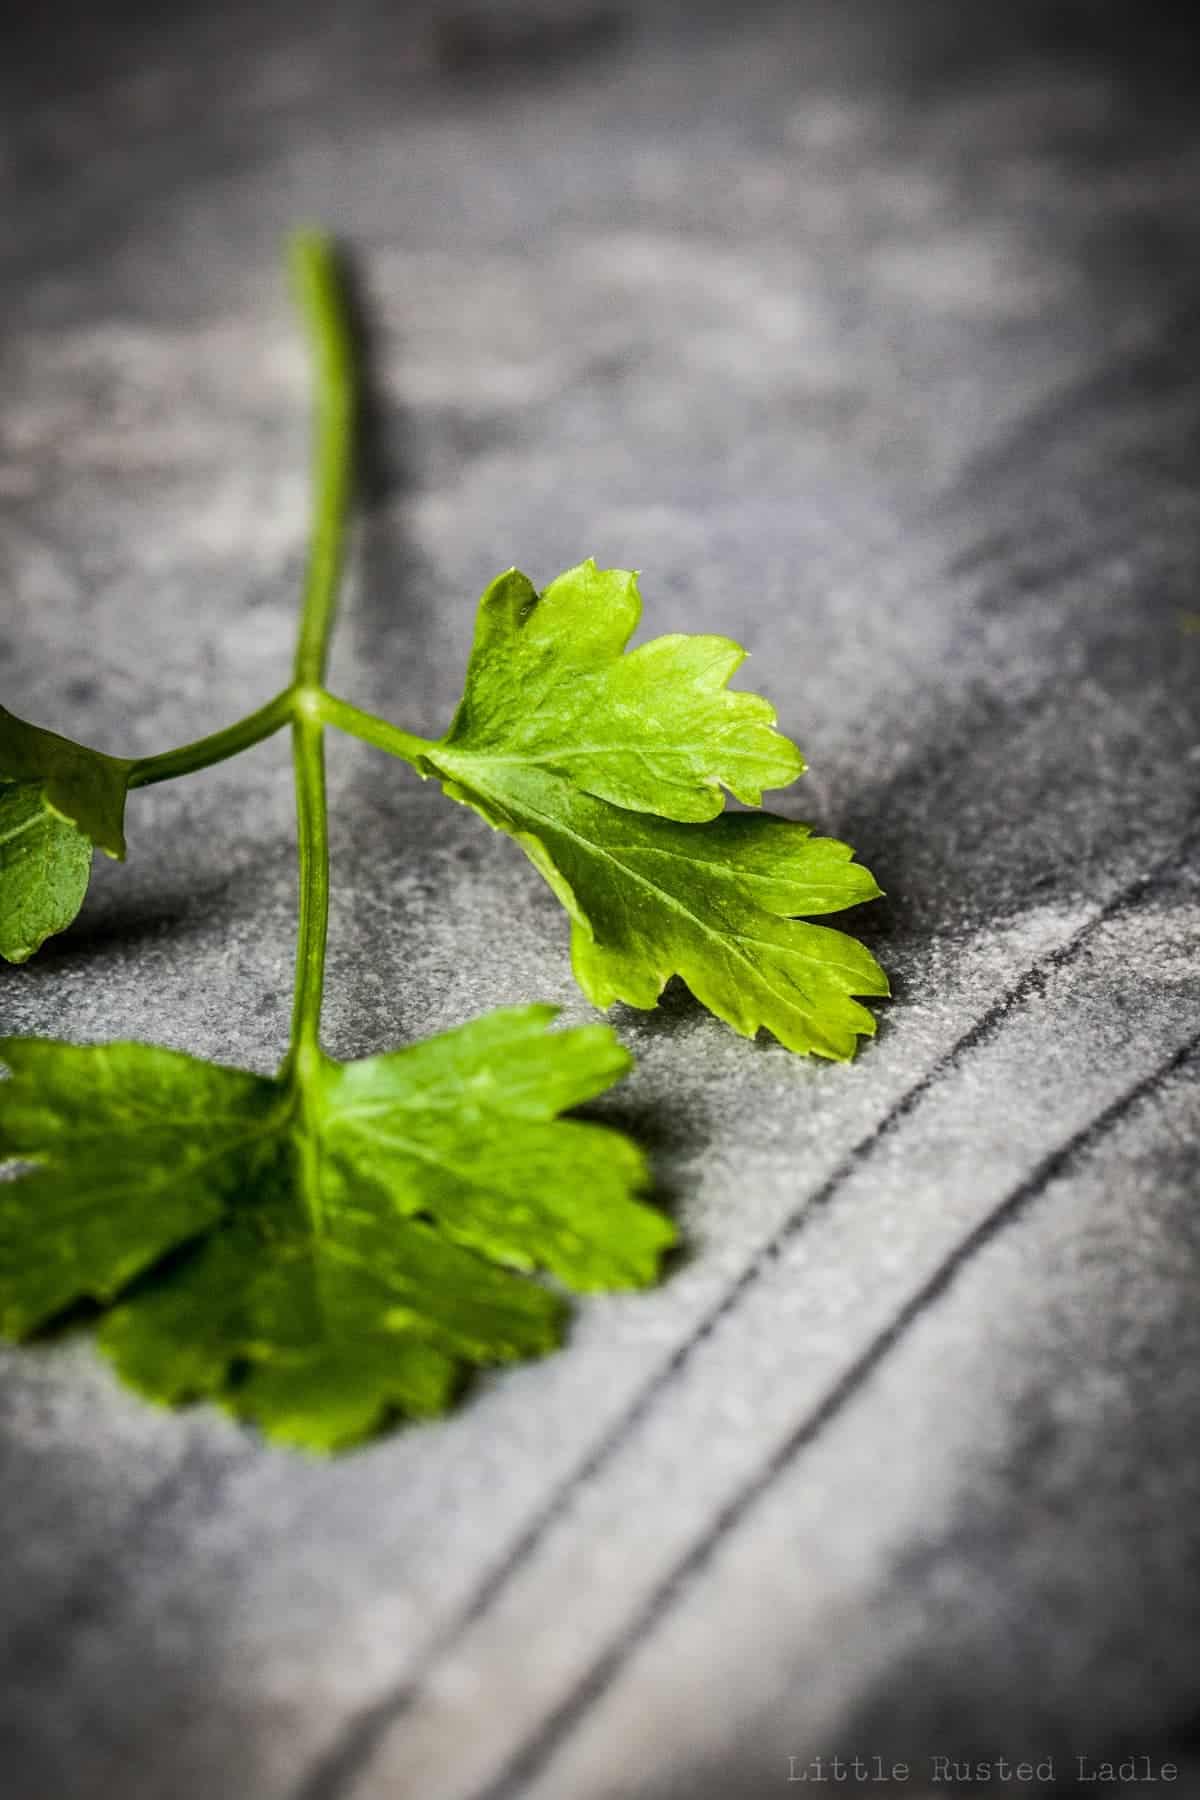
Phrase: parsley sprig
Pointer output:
(324, 1248)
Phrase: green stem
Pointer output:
(216, 748)
(308, 760)
(305, 704)
(321, 299)
(374, 730)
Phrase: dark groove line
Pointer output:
(353, 1747)
(537, 1752)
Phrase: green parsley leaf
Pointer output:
(58, 799)
(607, 769)
(655, 731)
(318, 1250)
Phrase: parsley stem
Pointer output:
(217, 747)
(321, 299)
(320, 296)
(308, 758)
(373, 730)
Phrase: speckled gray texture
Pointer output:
(868, 333)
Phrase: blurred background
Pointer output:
(869, 333)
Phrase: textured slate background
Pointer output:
(869, 334)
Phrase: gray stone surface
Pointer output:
(868, 333)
